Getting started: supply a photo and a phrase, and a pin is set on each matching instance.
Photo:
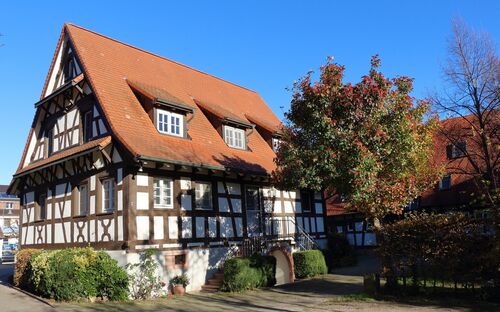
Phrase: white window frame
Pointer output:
(86, 200)
(160, 125)
(110, 184)
(200, 192)
(163, 185)
(231, 135)
(9, 205)
(441, 184)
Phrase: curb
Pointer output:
(29, 294)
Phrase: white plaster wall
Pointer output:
(142, 180)
(158, 227)
(29, 235)
(119, 222)
(173, 229)
(92, 204)
(49, 234)
(185, 183)
(142, 225)
(202, 264)
(59, 233)
(288, 207)
(142, 201)
(119, 203)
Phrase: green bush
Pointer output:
(309, 263)
(76, 273)
(249, 273)
(22, 271)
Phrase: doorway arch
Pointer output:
(284, 265)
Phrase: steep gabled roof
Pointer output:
(109, 65)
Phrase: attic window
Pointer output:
(169, 122)
(276, 144)
(456, 150)
(234, 137)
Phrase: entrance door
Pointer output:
(254, 211)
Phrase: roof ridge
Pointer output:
(159, 56)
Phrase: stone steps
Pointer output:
(214, 283)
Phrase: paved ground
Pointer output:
(320, 294)
(12, 300)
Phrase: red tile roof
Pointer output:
(110, 65)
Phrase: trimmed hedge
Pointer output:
(72, 274)
(309, 263)
(249, 273)
(22, 270)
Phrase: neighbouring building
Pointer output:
(129, 150)
(9, 214)
(454, 192)
(456, 189)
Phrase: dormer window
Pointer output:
(235, 137)
(456, 150)
(276, 144)
(169, 122)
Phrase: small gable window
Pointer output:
(235, 137)
(445, 182)
(169, 122)
(456, 150)
(276, 144)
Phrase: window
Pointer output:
(9, 207)
(306, 200)
(180, 259)
(42, 207)
(87, 126)
(234, 137)
(170, 123)
(276, 144)
(83, 200)
(203, 195)
(108, 195)
(163, 193)
(69, 67)
(50, 138)
(445, 182)
(456, 150)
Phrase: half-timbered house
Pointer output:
(129, 150)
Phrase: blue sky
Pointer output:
(262, 45)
